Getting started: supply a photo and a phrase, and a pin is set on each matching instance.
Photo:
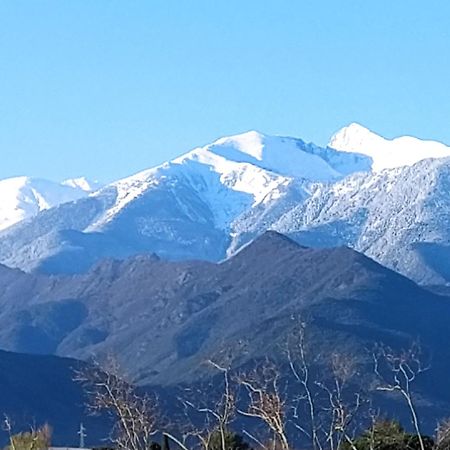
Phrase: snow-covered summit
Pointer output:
(23, 197)
(250, 143)
(237, 172)
(386, 153)
(83, 183)
(207, 203)
(285, 156)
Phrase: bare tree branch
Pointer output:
(396, 371)
(134, 414)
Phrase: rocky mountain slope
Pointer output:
(381, 197)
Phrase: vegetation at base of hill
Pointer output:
(35, 439)
(259, 408)
(382, 435)
(388, 435)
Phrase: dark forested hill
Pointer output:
(37, 389)
(163, 319)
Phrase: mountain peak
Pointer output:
(356, 127)
(285, 156)
(386, 153)
(82, 183)
(251, 143)
(23, 197)
(17, 182)
(354, 138)
(268, 243)
(275, 236)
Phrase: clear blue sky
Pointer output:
(105, 88)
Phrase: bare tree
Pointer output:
(219, 413)
(134, 414)
(341, 409)
(332, 402)
(299, 366)
(374, 416)
(396, 372)
(266, 400)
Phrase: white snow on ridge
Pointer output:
(250, 143)
(230, 175)
(386, 153)
(127, 190)
(23, 197)
(237, 172)
(241, 176)
(228, 187)
(82, 183)
(281, 155)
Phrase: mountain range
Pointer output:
(164, 319)
(175, 265)
(158, 315)
(385, 198)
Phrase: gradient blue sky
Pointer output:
(105, 88)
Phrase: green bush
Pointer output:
(389, 435)
(233, 441)
(31, 440)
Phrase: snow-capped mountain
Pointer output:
(185, 208)
(209, 202)
(386, 153)
(398, 217)
(236, 173)
(23, 197)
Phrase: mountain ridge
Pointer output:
(210, 201)
(24, 197)
(164, 319)
(386, 153)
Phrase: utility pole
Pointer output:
(82, 434)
